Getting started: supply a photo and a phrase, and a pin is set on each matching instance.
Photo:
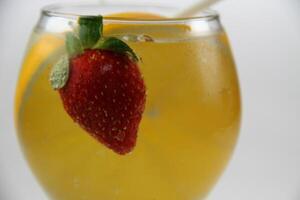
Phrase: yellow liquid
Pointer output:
(186, 136)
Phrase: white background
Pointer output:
(265, 36)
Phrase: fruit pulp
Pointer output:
(185, 139)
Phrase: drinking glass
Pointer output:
(189, 127)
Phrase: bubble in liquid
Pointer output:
(137, 38)
(153, 112)
(145, 38)
(130, 38)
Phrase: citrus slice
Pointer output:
(45, 46)
(136, 15)
(156, 30)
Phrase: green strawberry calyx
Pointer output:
(88, 36)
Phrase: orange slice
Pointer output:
(41, 51)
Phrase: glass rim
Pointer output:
(52, 10)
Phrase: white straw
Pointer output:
(196, 8)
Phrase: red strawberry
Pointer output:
(102, 88)
(105, 94)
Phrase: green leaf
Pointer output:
(73, 45)
(60, 73)
(90, 30)
(117, 45)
